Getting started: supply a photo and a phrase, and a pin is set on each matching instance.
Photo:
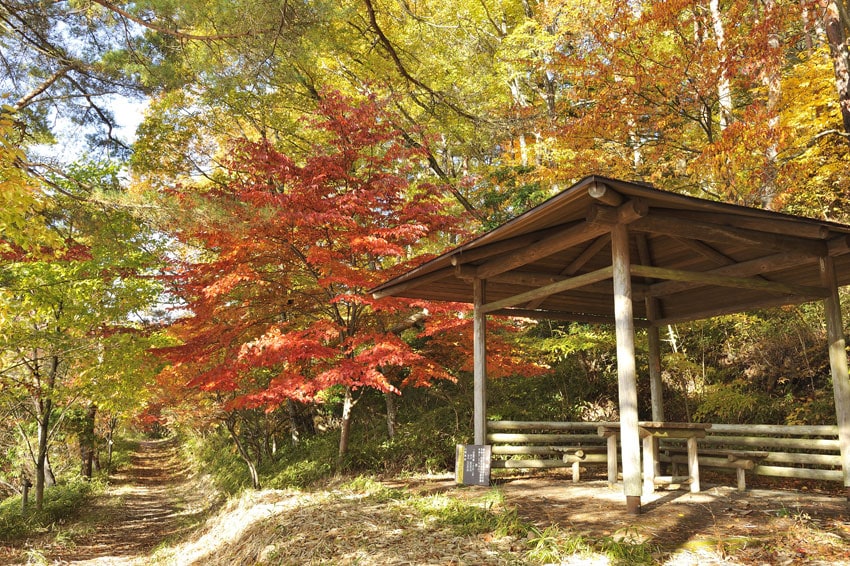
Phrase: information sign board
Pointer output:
(472, 466)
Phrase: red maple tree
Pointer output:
(277, 294)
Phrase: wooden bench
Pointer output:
(538, 444)
(739, 460)
(789, 451)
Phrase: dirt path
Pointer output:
(151, 503)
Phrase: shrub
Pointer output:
(61, 503)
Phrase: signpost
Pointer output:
(472, 466)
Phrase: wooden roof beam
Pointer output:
(575, 234)
(487, 251)
(706, 278)
(536, 280)
(598, 222)
(762, 265)
(806, 228)
(559, 287)
(391, 290)
(586, 255)
(705, 251)
(605, 194)
(695, 230)
(566, 316)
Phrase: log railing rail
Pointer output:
(785, 451)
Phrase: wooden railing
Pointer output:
(542, 444)
(786, 451)
(800, 451)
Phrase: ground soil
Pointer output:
(151, 502)
(774, 522)
(156, 504)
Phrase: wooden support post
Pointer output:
(655, 384)
(626, 367)
(693, 464)
(612, 460)
(742, 479)
(650, 457)
(838, 364)
(479, 356)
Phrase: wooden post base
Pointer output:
(633, 504)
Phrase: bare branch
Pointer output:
(388, 46)
(845, 135)
(25, 100)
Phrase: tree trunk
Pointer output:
(836, 35)
(41, 455)
(49, 476)
(87, 442)
(345, 425)
(44, 412)
(724, 89)
(294, 430)
(392, 413)
(230, 423)
(109, 435)
(300, 421)
(772, 80)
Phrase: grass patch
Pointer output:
(62, 503)
(477, 516)
(122, 452)
(552, 545)
(627, 547)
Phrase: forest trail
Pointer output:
(152, 502)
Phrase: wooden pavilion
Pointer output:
(624, 253)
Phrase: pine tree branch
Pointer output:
(176, 33)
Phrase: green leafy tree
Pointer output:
(61, 313)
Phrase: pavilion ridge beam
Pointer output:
(605, 194)
(727, 281)
(671, 226)
(551, 289)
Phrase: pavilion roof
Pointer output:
(690, 258)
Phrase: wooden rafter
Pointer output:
(763, 265)
(551, 289)
(671, 226)
(706, 278)
(586, 255)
